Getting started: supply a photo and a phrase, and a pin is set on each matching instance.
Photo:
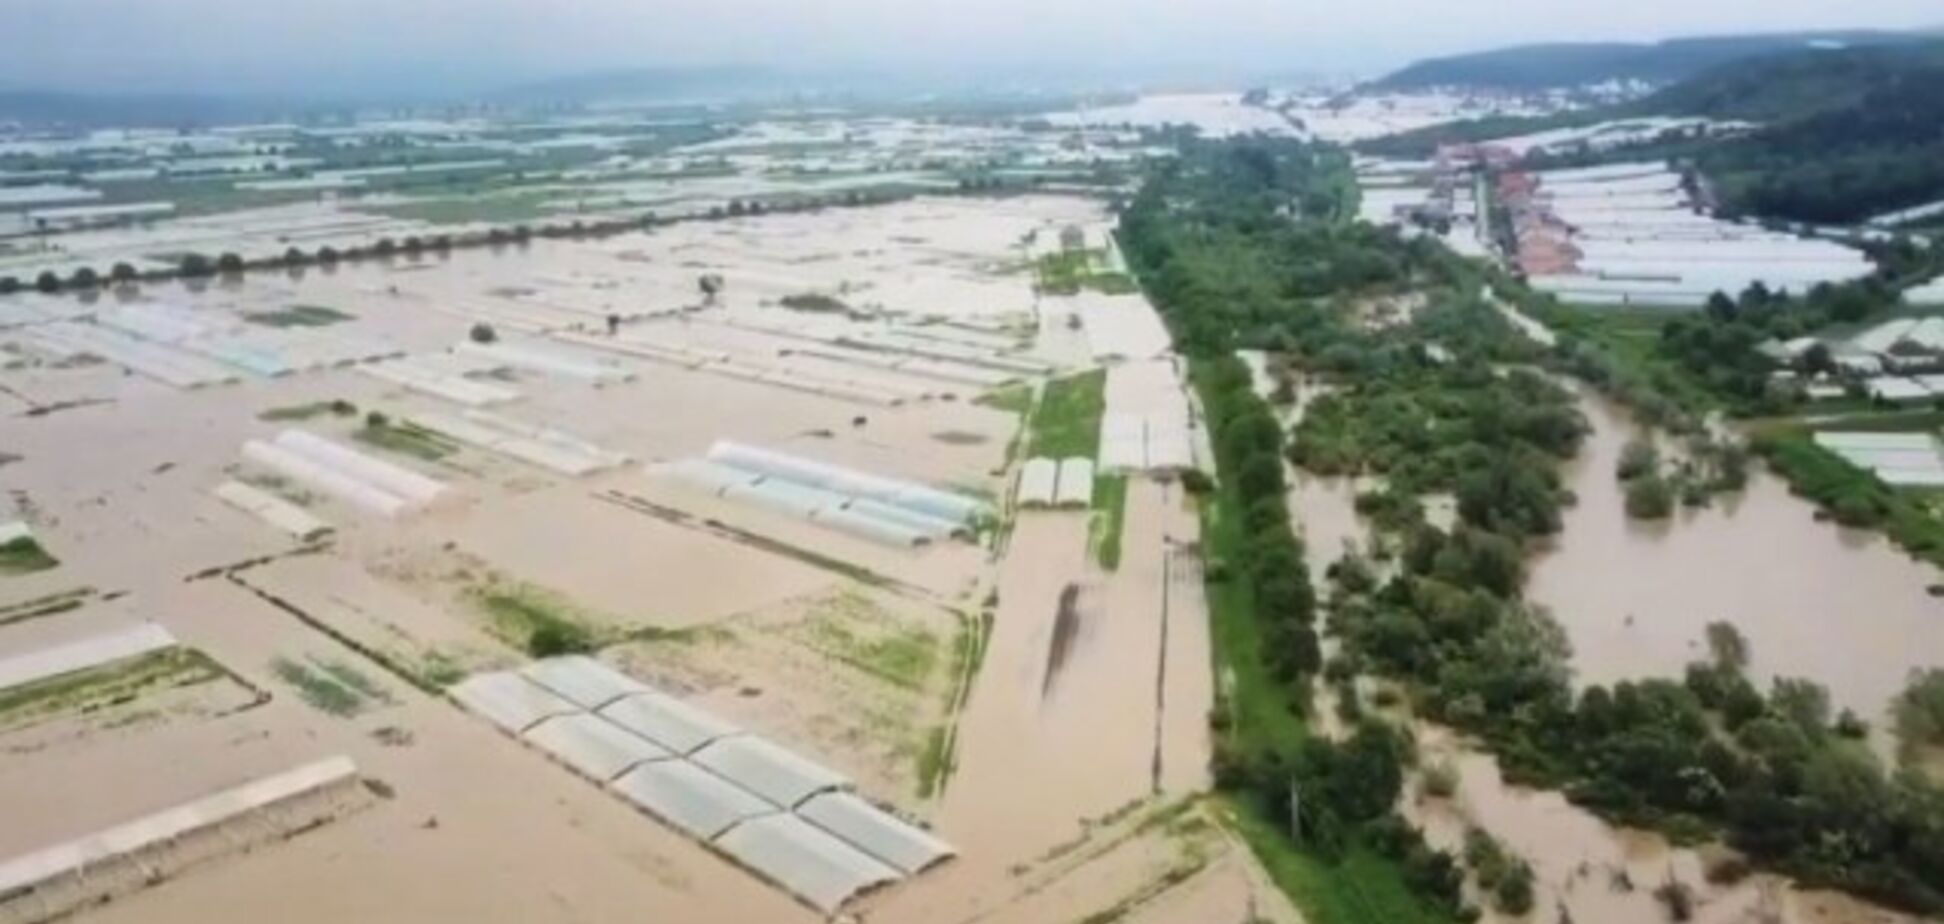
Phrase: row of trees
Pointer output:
(1235, 244)
(200, 266)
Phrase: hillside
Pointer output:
(1846, 133)
(1527, 68)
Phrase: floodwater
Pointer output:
(1600, 874)
(1844, 608)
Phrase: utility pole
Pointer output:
(1295, 810)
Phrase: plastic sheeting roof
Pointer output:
(583, 681)
(82, 654)
(768, 770)
(876, 529)
(689, 797)
(35, 869)
(1075, 483)
(511, 701)
(667, 721)
(812, 865)
(708, 476)
(1037, 480)
(594, 746)
(815, 474)
(929, 526)
(874, 831)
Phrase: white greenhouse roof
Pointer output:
(929, 526)
(815, 867)
(1076, 483)
(689, 797)
(594, 746)
(876, 529)
(768, 770)
(875, 831)
(82, 654)
(707, 476)
(510, 701)
(667, 721)
(1037, 480)
(91, 852)
(583, 681)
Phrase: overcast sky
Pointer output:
(322, 47)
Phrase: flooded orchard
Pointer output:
(1844, 608)
(1586, 870)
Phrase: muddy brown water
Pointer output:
(1066, 631)
(1841, 607)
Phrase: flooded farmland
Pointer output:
(1843, 608)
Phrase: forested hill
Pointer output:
(1792, 87)
(1845, 133)
(1541, 67)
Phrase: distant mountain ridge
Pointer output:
(1528, 68)
(1843, 134)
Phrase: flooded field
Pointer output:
(1040, 751)
(1843, 608)
(1594, 872)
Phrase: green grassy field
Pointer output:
(502, 208)
(1067, 422)
(1362, 888)
(1109, 518)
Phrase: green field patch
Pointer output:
(298, 316)
(404, 438)
(106, 685)
(1067, 422)
(1109, 519)
(852, 628)
(537, 621)
(331, 686)
(24, 555)
(296, 412)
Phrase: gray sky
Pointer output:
(354, 46)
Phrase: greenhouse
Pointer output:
(582, 680)
(510, 701)
(767, 770)
(808, 863)
(597, 748)
(689, 797)
(875, 831)
(667, 721)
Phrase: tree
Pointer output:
(711, 286)
(1649, 497)
(1721, 308)
(85, 278)
(196, 265)
(483, 332)
(295, 257)
(9, 285)
(47, 282)
(1802, 701)
(1727, 645)
(122, 273)
(1638, 457)
(327, 255)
